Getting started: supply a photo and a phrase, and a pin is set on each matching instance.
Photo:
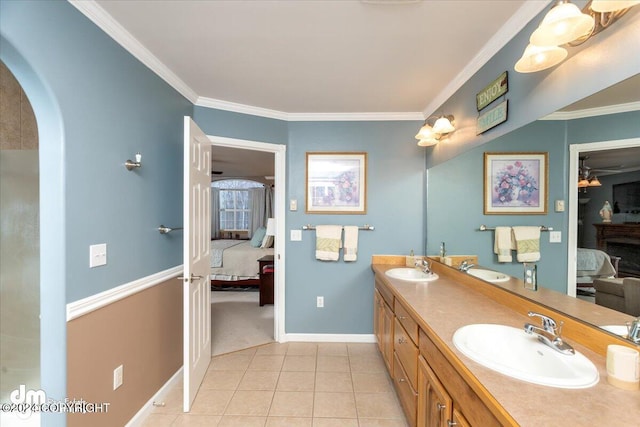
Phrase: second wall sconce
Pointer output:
(130, 164)
(431, 134)
(564, 24)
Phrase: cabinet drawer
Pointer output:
(406, 393)
(407, 321)
(407, 353)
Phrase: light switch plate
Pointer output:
(97, 255)
(293, 205)
(296, 235)
(555, 237)
(559, 205)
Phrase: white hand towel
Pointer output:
(503, 244)
(350, 242)
(328, 239)
(527, 243)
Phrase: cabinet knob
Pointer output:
(401, 340)
(401, 380)
(440, 406)
(451, 423)
(402, 317)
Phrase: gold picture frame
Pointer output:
(515, 183)
(336, 183)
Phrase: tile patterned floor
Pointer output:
(290, 385)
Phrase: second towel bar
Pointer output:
(485, 228)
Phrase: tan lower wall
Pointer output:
(143, 333)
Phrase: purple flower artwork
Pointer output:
(515, 183)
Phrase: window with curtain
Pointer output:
(235, 204)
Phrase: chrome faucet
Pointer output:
(634, 330)
(465, 266)
(424, 265)
(549, 334)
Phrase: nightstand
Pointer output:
(267, 268)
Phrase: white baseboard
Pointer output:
(87, 305)
(140, 417)
(356, 338)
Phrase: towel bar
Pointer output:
(365, 227)
(485, 228)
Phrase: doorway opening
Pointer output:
(274, 155)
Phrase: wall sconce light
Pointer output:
(431, 134)
(129, 164)
(566, 24)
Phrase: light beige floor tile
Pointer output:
(221, 380)
(246, 352)
(299, 363)
(334, 381)
(296, 381)
(334, 405)
(371, 382)
(289, 422)
(362, 349)
(367, 364)
(241, 421)
(266, 362)
(159, 420)
(333, 349)
(302, 348)
(190, 420)
(211, 402)
(172, 402)
(335, 422)
(259, 380)
(333, 364)
(376, 422)
(250, 403)
(378, 405)
(273, 348)
(230, 362)
(292, 404)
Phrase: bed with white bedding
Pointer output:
(592, 264)
(235, 262)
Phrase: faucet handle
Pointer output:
(548, 323)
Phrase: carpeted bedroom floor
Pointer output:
(238, 321)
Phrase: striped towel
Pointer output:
(527, 243)
(328, 239)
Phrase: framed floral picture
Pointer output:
(336, 183)
(515, 183)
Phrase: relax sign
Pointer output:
(493, 91)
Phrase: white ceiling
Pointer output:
(318, 56)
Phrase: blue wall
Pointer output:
(456, 188)
(395, 182)
(96, 106)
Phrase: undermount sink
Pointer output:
(488, 275)
(514, 353)
(411, 274)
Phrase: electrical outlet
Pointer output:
(118, 376)
(319, 302)
(97, 255)
(555, 237)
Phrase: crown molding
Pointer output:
(117, 32)
(593, 112)
(509, 30)
(305, 117)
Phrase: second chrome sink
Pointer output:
(514, 353)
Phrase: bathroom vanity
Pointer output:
(414, 323)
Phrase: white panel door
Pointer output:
(197, 236)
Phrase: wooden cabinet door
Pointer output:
(377, 318)
(387, 335)
(434, 403)
(459, 420)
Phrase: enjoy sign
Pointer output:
(493, 91)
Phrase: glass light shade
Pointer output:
(562, 24)
(425, 132)
(443, 125)
(603, 6)
(595, 182)
(427, 142)
(537, 58)
(583, 183)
